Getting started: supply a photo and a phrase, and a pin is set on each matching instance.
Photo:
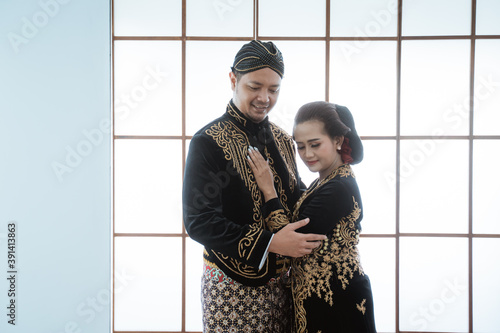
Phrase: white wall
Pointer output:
(54, 94)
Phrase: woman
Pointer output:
(331, 293)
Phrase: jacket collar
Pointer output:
(243, 120)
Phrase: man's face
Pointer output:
(256, 93)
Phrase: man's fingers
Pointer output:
(314, 237)
(299, 224)
(311, 245)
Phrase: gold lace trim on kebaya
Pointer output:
(338, 254)
(344, 170)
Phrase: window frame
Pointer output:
(397, 138)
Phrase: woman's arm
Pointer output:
(327, 206)
(263, 174)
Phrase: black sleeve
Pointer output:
(203, 208)
(329, 204)
(274, 215)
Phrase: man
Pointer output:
(242, 290)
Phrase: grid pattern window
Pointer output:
(422, 79)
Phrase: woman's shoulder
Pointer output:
(337, 190)
(340, 182)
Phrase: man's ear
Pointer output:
(232, 77)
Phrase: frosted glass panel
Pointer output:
(148, 90)
(434, 186)
(147, 17)
(435, 87)
(486, 197)
(363, 18)
(436, 17)
(148, 186)
(487, 13)
(486, 288)
(376, 177)
(150, 301)
(219, 18)
(378, 261)
(433, 284)
(487, 87)
(301, 84)
(208, 89)
(292, 18)
(194, 270)
(363, 78)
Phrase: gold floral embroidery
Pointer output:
(338, 254)
(280, 190)
(361, 307)
(234, 143)
(344, 171)
(236, 115)
(240, 268)
(250, 238)
(277, 220)
(344, 250)
(286, 147)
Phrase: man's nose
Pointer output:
(263, 96)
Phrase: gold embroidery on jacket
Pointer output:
(344, 170)
(279, 190)
(344, 250)
(337, 257)
(234, 143)
(277, 220)
(250, 238)
(236, 115)
(240, 268)
(286, 147)
(361, 307)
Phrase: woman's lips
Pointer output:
(310, 163)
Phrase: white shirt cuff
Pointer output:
(263, 260)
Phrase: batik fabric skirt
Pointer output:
(229, 306)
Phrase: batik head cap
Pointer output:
(257, 55)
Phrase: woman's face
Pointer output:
(316, 149)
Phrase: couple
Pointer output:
(273, 247)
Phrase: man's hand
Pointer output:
(290, 243)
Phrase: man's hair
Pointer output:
(237, 74)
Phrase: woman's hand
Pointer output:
(262, 172)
